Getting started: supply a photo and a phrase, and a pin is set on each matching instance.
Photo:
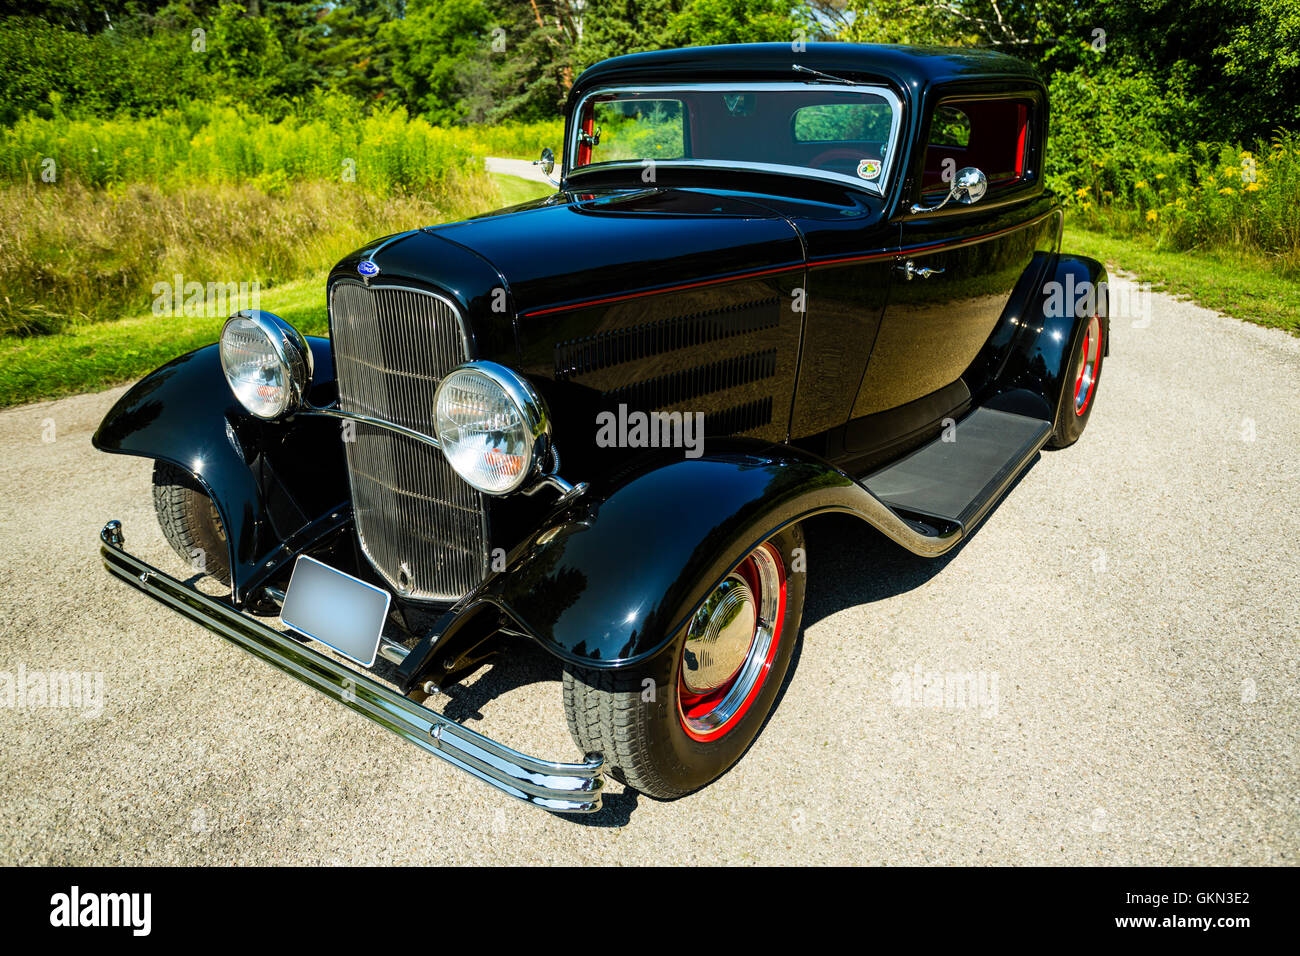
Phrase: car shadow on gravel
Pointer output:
(849, 564)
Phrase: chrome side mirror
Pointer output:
(547, 162)
(968, 186)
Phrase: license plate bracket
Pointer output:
(327, 605)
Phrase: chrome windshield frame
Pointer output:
(879, 187)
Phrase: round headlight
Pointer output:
(491, 425)
(267, 362)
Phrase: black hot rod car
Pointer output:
(770, 284)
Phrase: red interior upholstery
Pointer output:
(998, 138)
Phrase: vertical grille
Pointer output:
(421, 526)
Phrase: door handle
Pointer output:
(911, 271)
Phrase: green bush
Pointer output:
(384, 151)
(218, 191)
(518, 140)
(1114, 159)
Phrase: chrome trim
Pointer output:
(531, 409)
(335, 412)
(547, 162)
(291, 350)
(720, 636)
(393, 652)
(393, 345)
(566, 489)
(968, 186)
(878, 187)
(891, 524)
(562, 787)
(749, 671)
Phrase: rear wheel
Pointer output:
(1081, 388)
(668, 730)
(190, 521)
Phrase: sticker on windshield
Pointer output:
(869, 168)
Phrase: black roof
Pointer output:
(908, 67)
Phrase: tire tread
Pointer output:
(189, 520)
(607, 715)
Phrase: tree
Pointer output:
(615, 27)
(432, 48)
(707, 22)
(347, 51)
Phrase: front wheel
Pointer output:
(190, 521)
(669, 730)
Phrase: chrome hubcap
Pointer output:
(720, 636)
(1085, 374)
(729, 644)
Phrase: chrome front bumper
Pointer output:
(563, 787)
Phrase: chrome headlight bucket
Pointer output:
(492, 426)
(267, 363)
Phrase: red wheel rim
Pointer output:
(1085, 374)
(710, 713)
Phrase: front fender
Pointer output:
(267, 480)
(611, 580)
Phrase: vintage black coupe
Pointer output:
(771, 283)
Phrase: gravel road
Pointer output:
(523, 168)
(1132, 607)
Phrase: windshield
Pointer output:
(833, 132)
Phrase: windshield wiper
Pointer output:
(827, 76)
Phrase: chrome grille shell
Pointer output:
(421, 526)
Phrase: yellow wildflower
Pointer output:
(1151, 215)
(1253, 187)
(1227, 191)
(1160, 175)
(1081, 191)
(1140, 184)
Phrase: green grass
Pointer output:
(515, 190)
(94, 355)
(1246, 285)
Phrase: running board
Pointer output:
(938, 494)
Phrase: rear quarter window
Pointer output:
(989, 134)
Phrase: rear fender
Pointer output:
(270, 480)
(1035, 374)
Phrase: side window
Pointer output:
(990, 134)
(633, 129)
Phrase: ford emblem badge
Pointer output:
(367, 268)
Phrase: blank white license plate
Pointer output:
(338, 610)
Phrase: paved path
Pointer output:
(1136, 598)
(522, 168)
